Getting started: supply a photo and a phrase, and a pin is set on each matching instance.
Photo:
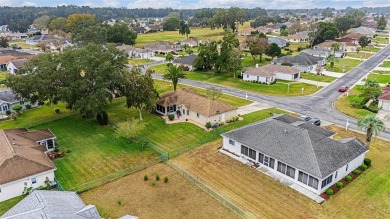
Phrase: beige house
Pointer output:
(269, 73)
(187, 104)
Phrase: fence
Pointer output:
(59, 187)
(45, 121)
(111, 177)
(211, 192)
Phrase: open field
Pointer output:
(256, 193)
(176, 199)
(344, 104)
(359, 55)
(320, 78)
(138, 61)
(344, 63)
(6, 205)
(248, 61)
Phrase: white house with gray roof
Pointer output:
(296, 151)
(8, 100)
(303, 62)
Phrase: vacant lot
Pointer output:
(343, 65)
(320, 78)
(344, 104)
(256, 193)
(176, 199)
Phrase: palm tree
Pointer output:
(371, 125)
(332, 59)
(174, 74)
(335, 47)
(184, 28)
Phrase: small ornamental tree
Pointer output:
(130, 129)
(17, 109)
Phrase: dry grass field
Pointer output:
(256, 193)
(176, 199)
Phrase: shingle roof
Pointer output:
(271, 70)
(297, 146)
(317, 51)
(37, 135)
(21, 156)
(277, 40)
(194, 101)
(384, 96)
(19, 62)
(186, 60)
(7, 95)
(301, 59)
(41, 204)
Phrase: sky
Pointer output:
(191, 4)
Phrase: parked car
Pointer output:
(305, 118)
(315, 121)
(343, 89)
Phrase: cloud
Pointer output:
(17, 3)
(110, 3)
(87, 3)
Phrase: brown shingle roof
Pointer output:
(20, 156)
(384, 96)
(194, 101)
(37, 135)
(270, 70)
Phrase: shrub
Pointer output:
(208, 125)
(17, 108)
(166, 179)
(348, 178)
(268, 59)
(356, 172)
(157, 178)
(169, 64)
(153, 183)
(171, 117)
(329, 192)
(146, 177)
(8, 112)
(367, 162)
(102, 118)
(363, 167)
(287, 64)
(339, 185)
(28, 106)
(57, 111)
(119, 202)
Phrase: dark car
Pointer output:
(315, 121)
(343, 89)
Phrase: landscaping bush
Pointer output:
(329, 192)
(208, 125)
(146, 177)
(119, 202)
(169, 64)
(363, 167)
(287, 64)
(356, 172)
(102, 118)
(339, 185)
(157, 178)
(268, 59)
(171, 117)
(28, 106)
(57, 111)
(166, 179)
(153, 183)
(348, 178)
(8, 112)
(367, 162)
(17, 108)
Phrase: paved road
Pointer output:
(319, 104)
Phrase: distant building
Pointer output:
(14, 65)
(303, 62)
(269, 73)
(186, 62)
(278, 41)
(8, 100)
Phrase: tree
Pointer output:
(214, 93)
(129, 129)
(323, 31)
(17, 109)
(273, 50)
(364, 41)
(233, 63)
(3, 42)
(19, 25)
(174, 74)
(332, 59)
(172, 23)
(257, 47)
(207, 56)
(382, 23)
(86, 33)
(335, 47)
(74, 19)
(328, 12)
(120, 33)
(41, 23)
(139, 90)
(59, 23)
(184, 29)
(283, 32)
(344, 23)
(169, 57)
(372, 126)
(229, 18)
(372, 89)
(190, 51)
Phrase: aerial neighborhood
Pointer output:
(248, 110)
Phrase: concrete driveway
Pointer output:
(253, 107)
(384, 116)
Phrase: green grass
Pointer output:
(319, 78)
(348, 64)
(364, 55)
(160, 69)
(381, 78)
(3, 76)
(344, 104)
(294, 46)
(138, 61)
(369, 49)
(6, 205)
(380, 40)
(248, 61)
(386, 64)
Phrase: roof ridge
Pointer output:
(9, 143)
(315, 156)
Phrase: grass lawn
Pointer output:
(3, 76)
(386, 64)
(6, 205)
(344, 104)
(320, 78)
(370, 49)
(263, 197)
(349, 64)
(138, 61)
(381, 40)
(364, 55)
(294, 46)
(381, 78)
(178, 198)
(247, 61)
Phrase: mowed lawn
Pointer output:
(138, 61)
(386, 64)
(343, 64)
(380, 76)
(320, 78)
(6, 205)
(359, 55)
(178, 198)
(380, 40)
(344, 104)
(3, 76)
(262, 196)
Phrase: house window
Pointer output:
(287, 170)
(346, 168)
(0, 190)
(34, 180)
(231, 142)
(266, 161)
(327, 181)
(197, 115)
(247, 76)
(244, 150)
(188, 112)
(184, 111)
(252, 154)
(248, 152)
(308, 180)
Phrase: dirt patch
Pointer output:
(176, 199)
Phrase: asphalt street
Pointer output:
(319, 104)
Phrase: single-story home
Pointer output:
(136, 53)
(303, 62)
(328, 45)
(4, 59)
(297, 38)
(296, 151)
(14, 65)
(186, 61)
(246, 31)
(269, 73)
(26, 159)
(8, 100)
(318, 52)
(139, 30)
(278, 41)
(52, 204)
(163, 47)
(384, 99)
(154, 28)
(191, 42)
(186, 103)
(368, 32)
(38, 39)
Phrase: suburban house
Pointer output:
(384, 99)
(136, 53)
(350, 43)
(187, 62)
(328, 45)
(278, 41)
(365, 31)
(302, 155)
(191, 42)
(52, 204)
(269, 73)
(246, 31)
(318, 52)
(297, 38)
(163, 47)
(186, 103)
(4, 60)
(37, 39)
(8, 100)
(14, 65)
(23, 153)
(303, 62)
(139, 30)
(154, 28)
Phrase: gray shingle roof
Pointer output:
(186, 60)
(7, 95)
(52, 204)
(298, 146)
(301, 59)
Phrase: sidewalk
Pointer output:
(381, 69)
(333, 74)
(317, 83)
